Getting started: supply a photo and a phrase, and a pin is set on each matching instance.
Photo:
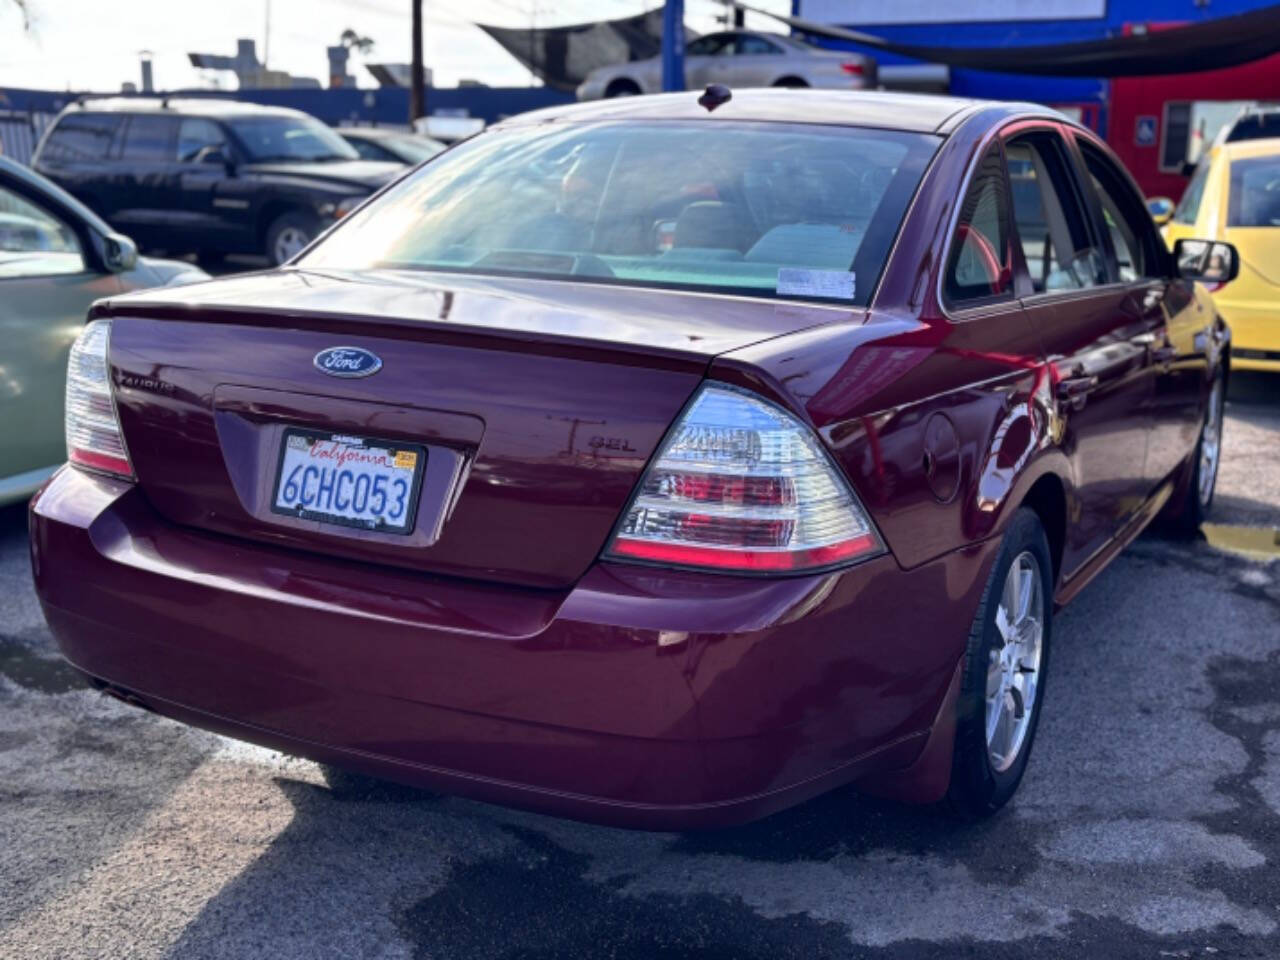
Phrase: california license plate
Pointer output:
(350, 481)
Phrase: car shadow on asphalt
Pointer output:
(1254, 387)
(484, 883)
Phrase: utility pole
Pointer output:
(673, 46)
(266, 36)
(417, 77)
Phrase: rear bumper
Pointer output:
(1267, 361)
(1255, 333)
(639, 697)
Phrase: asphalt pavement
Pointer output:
(1148, 825)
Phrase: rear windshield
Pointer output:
(765, 209)
(1255, 193)
(1256, 126)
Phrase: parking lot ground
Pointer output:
(1148, 826)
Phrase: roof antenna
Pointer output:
(715, 95)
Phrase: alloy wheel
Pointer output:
(1013, 671)
(289, 243)
(1211, 445)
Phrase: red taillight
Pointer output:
(742, 485)
(94, 438)
(853, 68)
(749, 560)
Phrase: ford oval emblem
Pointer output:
(348, 362)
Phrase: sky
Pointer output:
(94, 45)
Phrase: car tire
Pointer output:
(1005, 666)
(288, 234)
(792, 83)
(622, 88)
(1196, 501)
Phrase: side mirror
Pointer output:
(1161, 210)
(217, 155)
(119, 253)
(1208, 261)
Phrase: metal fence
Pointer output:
(20, 131)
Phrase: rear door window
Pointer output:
(980, 266)
(711, 45)
(148, 138)
(1058, 245)
(81, 137)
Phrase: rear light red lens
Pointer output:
(742, 485)
(853, 68)
(94, 437)
(746, 560)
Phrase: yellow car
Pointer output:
(1235, 196)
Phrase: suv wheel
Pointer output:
(289, 234)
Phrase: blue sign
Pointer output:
(1146, 131)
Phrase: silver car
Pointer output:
(56, 258)
(738, 58)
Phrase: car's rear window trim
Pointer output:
(751, 293)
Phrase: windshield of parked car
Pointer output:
(1255, 126)
(782, 210)
(290, 139)
(413, 149)
(1255, 192)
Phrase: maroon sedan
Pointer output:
(646, 463)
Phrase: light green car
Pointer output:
(56, 258)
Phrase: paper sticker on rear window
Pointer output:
(826, 284)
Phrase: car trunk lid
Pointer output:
(537, 404)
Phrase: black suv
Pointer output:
(208, 176)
